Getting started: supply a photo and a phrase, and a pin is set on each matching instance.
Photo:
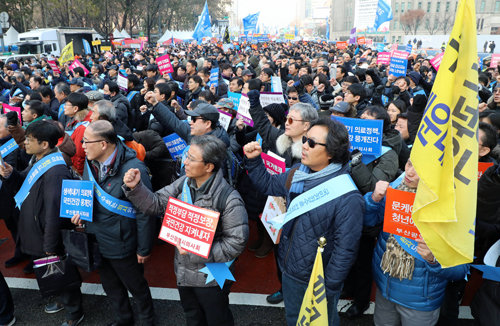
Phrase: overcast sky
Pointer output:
(272, 12)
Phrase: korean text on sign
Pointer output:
(77, 197)
(164, 64)
(364, 135)
(397, 216)
(175, 145)
(193, 226)
(399, 63)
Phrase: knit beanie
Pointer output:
(277, 112)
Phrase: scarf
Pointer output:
(396, 261)
(303, 173)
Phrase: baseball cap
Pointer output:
(225, 103)
(246, 72)
(204, 110)
(340, 107)
(76, 81)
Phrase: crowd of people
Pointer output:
(113, 136)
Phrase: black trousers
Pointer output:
(360, 279)
(119, 276)
(6, 302)
(206, 306)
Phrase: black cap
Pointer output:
(204, 110)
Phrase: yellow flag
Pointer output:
(445, 153)
(313, 311)
(67, 53)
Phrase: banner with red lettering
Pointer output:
(192, 225)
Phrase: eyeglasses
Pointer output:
(83, 141)
(189, 158)
(290, 120)
(311, 142)
(293, 98)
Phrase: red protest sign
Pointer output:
(8, 108)
(192, 225)
(273, 164)
(54, 67)
(383, 58)
(436, 61)
(164, 64)
(397, 216)
(482, 167)
(495, 59)
(76, 64)
(341, 45)
(361, 40)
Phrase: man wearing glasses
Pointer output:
(325, 158)
(125, 241)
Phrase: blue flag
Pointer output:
(86, 47)
(384, 14)
(327, 36)
(250, 23)
(296, 31)
(203, 27)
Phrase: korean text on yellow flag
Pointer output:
(445, 152)
(67, 53)
(313, 311)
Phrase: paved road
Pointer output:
(29, 311)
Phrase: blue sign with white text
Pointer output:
(214, 77)
(408, 48)
(235, 97)
(364, 135)
(398, 66)
(175, 145)
(77, 197)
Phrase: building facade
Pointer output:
(437, 18)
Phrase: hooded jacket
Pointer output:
(122, 106)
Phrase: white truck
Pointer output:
(51, 41)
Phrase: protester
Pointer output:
(203, 186)
(325, 154)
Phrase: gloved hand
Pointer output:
(12, 119)
(254, 98)
(356, 156)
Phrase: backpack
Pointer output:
(234, 168)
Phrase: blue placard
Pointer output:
(380, 47)
(175, 145)
(408, 48)
(77, 197)
(364, 135)
(398, 66)
(235, 97)
(214, 77)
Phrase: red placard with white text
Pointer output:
(361, 40)
(194, 226)
(273, 165)
(8, 108)
(341, 45)
(54, 67)
(482, 167)
(436, 61)
(76, 64)
(397, 216)
(164, 64)
(383, 58)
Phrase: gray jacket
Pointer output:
(230, 237)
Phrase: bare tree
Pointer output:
(447, 20)
(411, 20)
(432, 23)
